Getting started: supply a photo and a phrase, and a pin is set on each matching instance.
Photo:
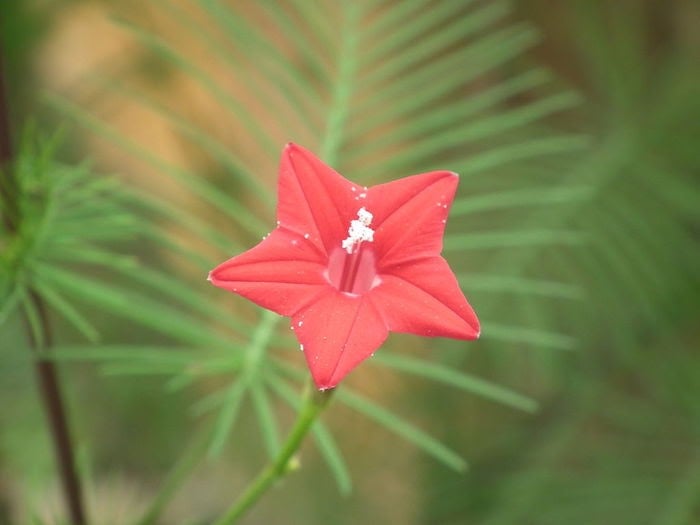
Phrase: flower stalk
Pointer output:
(314, 403)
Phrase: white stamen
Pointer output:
(359, 230)
(365, 216)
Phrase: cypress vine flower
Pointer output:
(349, 263)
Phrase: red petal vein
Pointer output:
(337, 332)
(313, 198)
(424, 298)
(410, 216)
(283, 273)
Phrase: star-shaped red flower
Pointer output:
(349, 264)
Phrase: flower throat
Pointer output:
(351, 268)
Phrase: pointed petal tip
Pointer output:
(477, 327)
(290, 150)
(467, 335)
(290, 147)
(213, 278)
(476, 330)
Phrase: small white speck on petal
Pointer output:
(301, 347)
(300, 323)
(295, 242)
(307, 235)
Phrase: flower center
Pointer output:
(351, 267)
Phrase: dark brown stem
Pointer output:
(8, 186)
(49, 385)
(45, 369)
(5, 142)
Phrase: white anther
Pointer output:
(359, 230)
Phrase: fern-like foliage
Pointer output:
(619, 442)
(59, 219)
(380, 90)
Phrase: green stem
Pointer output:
(314, 403)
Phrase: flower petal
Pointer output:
(337, 332)
(283, 273)
(314, 199)
(424, 298)
(410, 216)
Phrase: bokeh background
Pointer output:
(575, 126)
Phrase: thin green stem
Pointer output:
(314, 403)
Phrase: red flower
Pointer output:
(349, 264)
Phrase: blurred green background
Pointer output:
(575, 126)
